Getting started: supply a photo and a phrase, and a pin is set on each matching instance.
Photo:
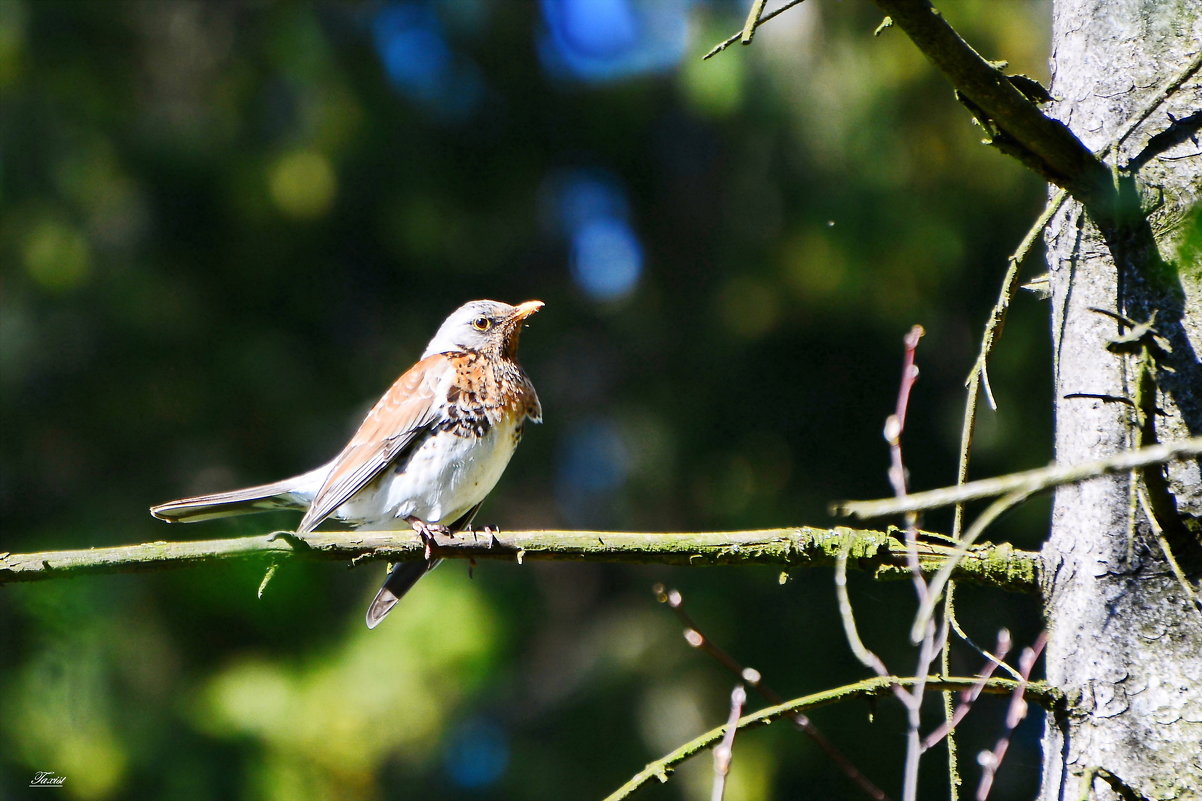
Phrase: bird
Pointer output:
(426, 455)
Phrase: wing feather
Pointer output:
(406, 411)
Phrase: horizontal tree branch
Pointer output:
(1037, 691)
(1027, 482)
(999, 566)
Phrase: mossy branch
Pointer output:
(881, 552)
(1038, 692)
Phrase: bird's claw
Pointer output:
(427, 532)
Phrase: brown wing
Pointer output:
(408, 409)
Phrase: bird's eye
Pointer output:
(482, 324)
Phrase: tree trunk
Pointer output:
(1125, 640)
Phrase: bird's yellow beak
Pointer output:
(526, 309)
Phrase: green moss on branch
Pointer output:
(879, 552)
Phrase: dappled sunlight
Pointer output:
(58, 708)
(70, 730)
(373, 697)
(57, 256)
(303, 184)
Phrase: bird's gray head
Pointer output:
(483, 325)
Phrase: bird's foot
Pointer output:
(427, 531)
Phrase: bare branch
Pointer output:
(1039, 692)
(1044, 144)
(998, 657)
(895, 426)
(991, 760)
(753, 21)
(1182, 581)
(725, 751)
(762, 18)
(1029, 481)
(967, 697)
(752, 677)
(867, 657)
(926, 608)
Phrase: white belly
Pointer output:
(442, 479)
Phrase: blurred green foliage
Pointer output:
(226, 227)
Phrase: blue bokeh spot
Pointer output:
(477, 755)
(607, 258)
(604, 29)
(419, 62)
(411, 47)
(605, 40)
(589, 210)
(583, 196)
(593, 460)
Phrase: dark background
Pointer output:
(226, 227)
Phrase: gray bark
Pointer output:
(1124, 643)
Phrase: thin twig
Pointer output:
(978, 381)
(895, 426)
(954, 781)
(996, 324)
(694, 637)
(991, 760)
(1039, 692)
(1190, 595)
(725, 751)
(995, 510)
(867, 658)
(753, 21)
(926, 655)
(967, 697)
(752, 677)
(1029, 481)
(989, 655)
(725, 43)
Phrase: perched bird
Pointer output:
(427, 453)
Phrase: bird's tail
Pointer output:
(286, 494)
(401, 579)
(403, 575)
